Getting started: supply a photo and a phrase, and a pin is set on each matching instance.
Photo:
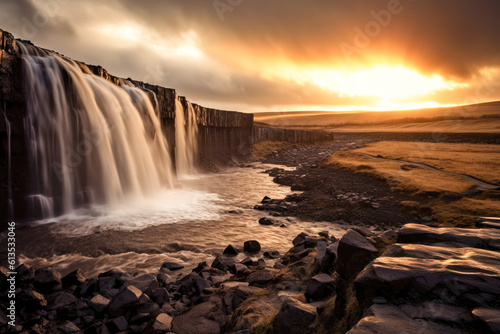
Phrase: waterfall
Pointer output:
(10, 202)
(89, 141)
(186, 139)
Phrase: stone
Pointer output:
(365, 232)
(295, 317)
(240, 269)
(146, 283)
(117, 324)
(106, 283)
(76, 277)
(160, 296)
(272, 254)
(222, 263)
(354, 253)
(160, 324)
(488, 222)
(299, 238)
(32, 300)
(206, 318)
(325, 258)
(486, 238)
(193, 283)
(390, 319)
(247, 261)
(442, 313)
(230, 250)
(265, 221)
(266, 199)
(128, 297)
(47, 279)
(140, 318)
(490, 317)
(251, 246)
(463, 274)
(25, 272)
(62, 300)
(172, 266)
(261, 277)
(99, 303)
(89, 287)
(69, 328)
(320, 287)
(242, 293)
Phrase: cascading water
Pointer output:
(186, 139)
(10, 202)
(89, 141)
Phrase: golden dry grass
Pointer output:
(481, 161)
(478, 160)
(416, 180)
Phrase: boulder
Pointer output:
(272, 254)
(160, 296)
(146, 283)
(128, 297)
(207, 318)
(490, 317)
(242, 293)
(325, 258)
(265, 221)
(222, 263)
(486, 238)
(300, 238)
(116, 325)
(354, 253)
(261, 277)
(69, 328)
(488, 222)
(25, 272)
(251, 246)
(76, 277)
(469, 276)
(32, 300)
(162, 323)
(295, 317)
(320, 287)
(172, 266)
(230, 250)
(47, 279)
(63, 299)
(98, 303)
(390, 319)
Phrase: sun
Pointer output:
(389, 83)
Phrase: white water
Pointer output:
(10, 202)
(90, 142)
(186, 145)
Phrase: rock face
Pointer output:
(354, 252)
(449, 276)
(295, 317)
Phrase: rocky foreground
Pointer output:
(417, 280)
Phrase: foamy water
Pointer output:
(186, 225)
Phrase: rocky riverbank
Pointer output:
(420, 279)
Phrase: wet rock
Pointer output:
(207, 318)
(128, 297)
(64, 299)
(99, 303)
(324, 234)
(69, 328)
(25, 272)
(265, 221)
(266, 199)
(47, 279)
(140, 318)
(106, 283)
(490, 317)
(89, 287)
(251, 246)
(242, 293)
(272, 254)
(240, 269)
(146, 283)
(295, 317)
(160, 324)
(488, 222)
(354, 253)
(424, 270)
(230, 250)
(222, 263)
(117, 324)
(390, 319)
(325, 258)
(247, 261)
(300, 238)
(320, 287)
(193, 283)
(32, 300)
(160, 296)
(261, 277)
(451, 237)
(76, 277)
(172, 266)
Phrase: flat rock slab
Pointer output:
(390, 319)
(488, 222)
(490, 317)
(467, 275)
(487, 238)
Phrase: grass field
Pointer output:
(392, 162)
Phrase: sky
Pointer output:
(256, 55)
